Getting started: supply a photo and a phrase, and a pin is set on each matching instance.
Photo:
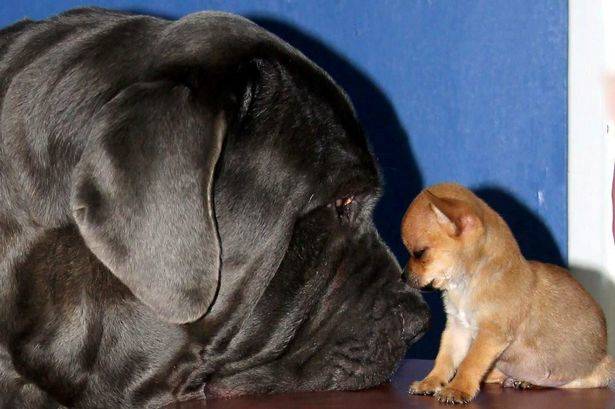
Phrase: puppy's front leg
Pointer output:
(486, 348)
(453, 347)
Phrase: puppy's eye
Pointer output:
(418, 254)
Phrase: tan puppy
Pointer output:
(509, 320)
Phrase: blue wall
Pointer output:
(471, 91)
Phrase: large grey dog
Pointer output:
(185, 213)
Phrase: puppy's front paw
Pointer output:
(452, 395)
(427, 386)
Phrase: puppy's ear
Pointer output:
(142, 196)
(453, 215)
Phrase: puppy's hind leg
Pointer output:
(603, 375)
(517, 384)
(497, 376)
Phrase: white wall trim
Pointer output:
(591, 153)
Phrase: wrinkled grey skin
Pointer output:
(168, 225)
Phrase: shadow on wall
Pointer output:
(535, 239)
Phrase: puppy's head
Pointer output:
(443, 232)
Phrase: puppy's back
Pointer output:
(566, 292)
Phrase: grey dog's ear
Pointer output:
(142, 196)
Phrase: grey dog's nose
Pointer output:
(416, 316)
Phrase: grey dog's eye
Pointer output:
(342, 207)
(418, 254)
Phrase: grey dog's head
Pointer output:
(233, 189)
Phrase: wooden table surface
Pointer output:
(395, 396)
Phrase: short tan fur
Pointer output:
(509, 320)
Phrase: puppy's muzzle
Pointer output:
(413, 281)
